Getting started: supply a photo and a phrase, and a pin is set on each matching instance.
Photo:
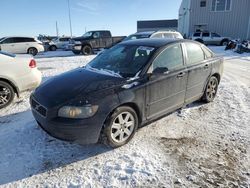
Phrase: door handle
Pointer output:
(181, 75)
(206, 66)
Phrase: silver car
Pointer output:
(210, 38)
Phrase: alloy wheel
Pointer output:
(122, 127)
(5, 95)
(211, 89)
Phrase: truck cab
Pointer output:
(94, 41)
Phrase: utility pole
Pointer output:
(57, 31)
(70, 25)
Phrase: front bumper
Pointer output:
(85, 131)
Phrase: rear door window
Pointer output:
(171, 58)
(195, 53)
(197, 34)
(205, 34)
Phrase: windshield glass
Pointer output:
(125, 60)
(7, 54)
(88, 34)
(133, 37)
(2, 39)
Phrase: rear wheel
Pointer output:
(224, 42)
(32, 51)
(6, 94)
(87, 50)
(211, 90)
(121, 126)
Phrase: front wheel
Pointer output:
(87, 50)
(6, 94)
(211, 90)
(121, 126)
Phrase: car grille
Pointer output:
(38, 108)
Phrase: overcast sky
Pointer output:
(33, 17)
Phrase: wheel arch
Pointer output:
(217, 75)
(11, 84)
(132, 105)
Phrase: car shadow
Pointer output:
(26, 150)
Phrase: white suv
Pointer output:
(155, 34)
(21, 45)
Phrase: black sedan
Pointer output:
(125, 87)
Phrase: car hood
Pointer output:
(74, 84)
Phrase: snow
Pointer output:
(202, 145)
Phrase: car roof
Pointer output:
(19, 37)
(157, 43)
(145, 33)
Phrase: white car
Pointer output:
(155, 34)
(59, 43)
(210, 38)
(21, 45)
(18, 73)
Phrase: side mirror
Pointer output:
(160, 70)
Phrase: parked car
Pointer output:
(155, 34)
(21, 45)
(93, 40)
(18, 73)
(125, 87)
(210, 38)
(59, 43)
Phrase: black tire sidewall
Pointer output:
(5, 84)
(108, 124)
(84, 50)
(205, 97)
(35, 51)
(53, 48)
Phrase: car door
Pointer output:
(105, 40)
(96, 39)
(7, 45)
(206, 38)
(165, 92)
(215, 39)
(199, 69)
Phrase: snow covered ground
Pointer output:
(202, 145)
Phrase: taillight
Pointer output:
(32, 64)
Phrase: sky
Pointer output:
(34, 17)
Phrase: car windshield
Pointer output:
(133, 37)
(123, 60)
(7, 54)
(2, 39)
(88, 34)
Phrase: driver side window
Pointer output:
(170, 58)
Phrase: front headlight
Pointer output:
(77, 112)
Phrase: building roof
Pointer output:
(157, 24)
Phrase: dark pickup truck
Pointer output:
(93, 40)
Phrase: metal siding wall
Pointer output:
(232, 24)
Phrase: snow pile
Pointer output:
(202, 145)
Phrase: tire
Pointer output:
(87, 50)
(7, 94)
(53, 48)
(33, 51)
(224, 42)
(120, 127)
(211, 90)
(200, 41)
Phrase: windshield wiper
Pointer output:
(112, 73)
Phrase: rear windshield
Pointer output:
(7, 54)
